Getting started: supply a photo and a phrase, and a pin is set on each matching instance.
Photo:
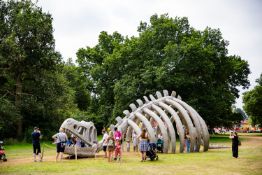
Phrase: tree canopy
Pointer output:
(253, 103)
(33, 90)
(167, 54)
(38, 89)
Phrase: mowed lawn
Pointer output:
(215, 161)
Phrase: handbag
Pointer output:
(239, 143)
(63, 144)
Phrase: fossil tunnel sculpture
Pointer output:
(161, 114)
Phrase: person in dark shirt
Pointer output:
(36, 135)
(235, 142)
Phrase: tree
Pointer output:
(99, 68)
(29, 64)
(8, 115)
(253, 103)
(80, 86)
(167, 54)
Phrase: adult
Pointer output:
(135, 141)
(187, 141)
(104, 141)
(36, 135)
(117, 136)
(235, 142)
(61, 139)
(143, 144)
(127, 145)
(110, 145)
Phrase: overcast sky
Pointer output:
(77, 23)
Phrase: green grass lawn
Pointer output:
(215, 161)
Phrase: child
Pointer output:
(118, 151)
(110, 145)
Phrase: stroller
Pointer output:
(2, 152)
(160, 145)
(151, 153)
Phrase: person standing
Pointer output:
(118, 149)
(36, 135)
(134, 139)
(104, 140)
(143, 144)
(117, 136)
(127, 145)
(61, 139)
(235, 142)
(110, 145)
(187, 140)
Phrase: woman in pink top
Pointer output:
(117, 134)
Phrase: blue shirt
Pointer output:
(36, 137)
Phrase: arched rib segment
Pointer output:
(178, 122)
(196, 117)
(134, 126)
(187, 118)
(161, 126)
(169, 125)
(123, 126)
(205, 131)
(148, 126)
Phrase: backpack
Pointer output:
(110, 142)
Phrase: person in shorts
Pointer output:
(143, 147)
(110, 146)
(61, 139)
(104, 140)
(36, 135)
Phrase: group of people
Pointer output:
(60, 140)
(112, 144)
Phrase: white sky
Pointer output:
(77, 23)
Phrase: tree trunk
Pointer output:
(18, 92)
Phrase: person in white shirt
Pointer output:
(105, 136)
(61, 139)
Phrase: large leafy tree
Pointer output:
(253, 103)
(167, 54)
(31, 84)
(101, 70)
